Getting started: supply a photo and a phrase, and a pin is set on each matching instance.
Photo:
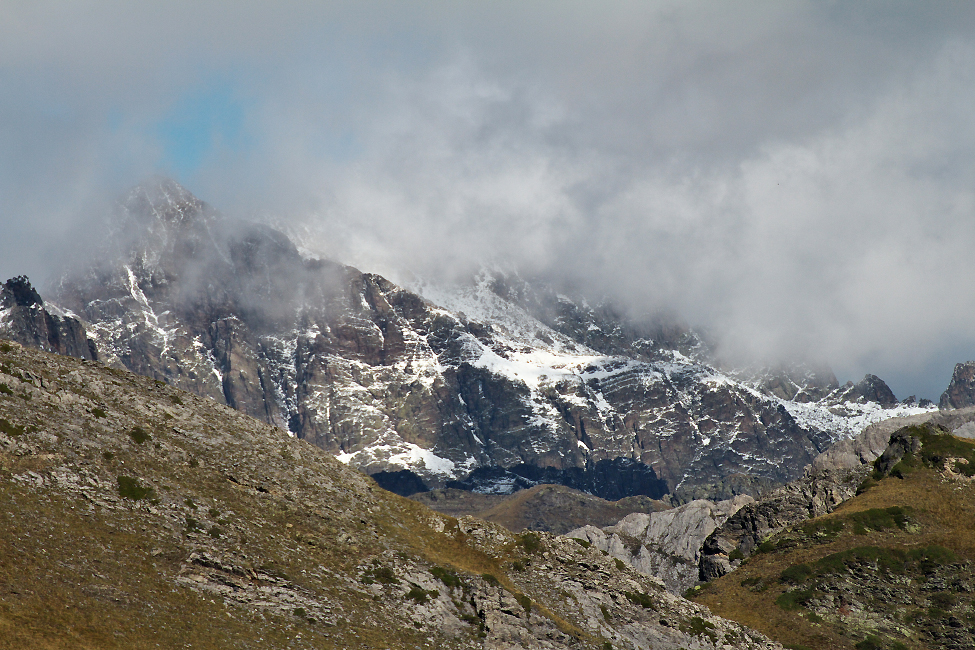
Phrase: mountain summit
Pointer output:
(497, 384)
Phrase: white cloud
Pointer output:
(795, 175)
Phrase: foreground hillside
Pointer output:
(892, 568)
(134, 515)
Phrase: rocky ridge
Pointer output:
(140, 514)
(834, 477)
(492, 386)
(890, 568)
(26, 319)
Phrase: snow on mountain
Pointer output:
(497, 382)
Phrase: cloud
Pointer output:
(795, 176)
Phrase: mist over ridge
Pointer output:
(792, 178)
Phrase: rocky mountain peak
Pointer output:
(499, 384)
(961, 390)
(164, 200)
(24, 318)
(873, 389)
(18, 292)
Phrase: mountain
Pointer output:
(136, 515)
(961, 390)
(492, 386)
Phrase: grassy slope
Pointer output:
(942, 513)
(99, 572)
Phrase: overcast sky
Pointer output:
(799, 177)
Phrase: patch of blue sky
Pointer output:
(204, 122)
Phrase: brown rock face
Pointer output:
(961, 391)
(23, 318)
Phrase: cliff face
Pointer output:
(25, 319)
(493, 385)
(666, 545)
(961, 391)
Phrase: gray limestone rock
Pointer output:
(664, 544)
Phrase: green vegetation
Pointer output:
(381, 574)
(420, 595)
(640, 598)
(449, 578)
(491, 579)
(130, 488)
(5, 389)
(890, 560)
(879, 519)
(699, 627)
(795, 599)
(937, 446)
(872, 642)
(139, 435)
(530, 541)
(581, 542)
(910, 536)
(525, 601)
(7, 427)
(99, 412)
(823, 529)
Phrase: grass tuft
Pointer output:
(130, 488)
(139, 435)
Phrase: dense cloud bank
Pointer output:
(795, 176)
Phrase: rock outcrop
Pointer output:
(24, 318)
(867, 446)
(832, 478)
(815, 494)
(666, 545)
(961, 390)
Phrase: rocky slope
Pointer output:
(491, 386)
(961, 390)
(666, 545)
(891, 568)
(136, 515)
(834, 477)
